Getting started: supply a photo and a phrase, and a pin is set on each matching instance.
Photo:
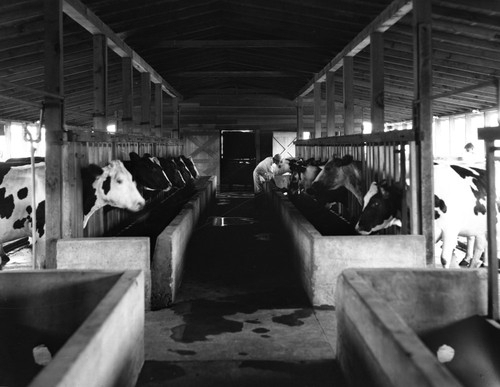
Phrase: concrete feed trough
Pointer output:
(163, 266)
(321, 259)
(91, 323)
(167, 263)
(391, 323)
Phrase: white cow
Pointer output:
(112, 185)
(459, 209)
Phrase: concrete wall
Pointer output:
(320, 259)
(114, 253)
(167, 264)
(92, 322)
(381, 312)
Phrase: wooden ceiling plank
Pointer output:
(487, 7)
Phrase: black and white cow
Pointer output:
(111, 185)
(459, 209)
(170, 167)
(303, 172)
(336, 173)
(188, 160)
(16, 209)
(183, 169)
(147, 173)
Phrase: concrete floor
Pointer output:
(242, 318)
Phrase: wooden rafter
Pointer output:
(383, 22)
(88, 20)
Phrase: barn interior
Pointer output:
(397, 84)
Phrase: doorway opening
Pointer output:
(237, 161)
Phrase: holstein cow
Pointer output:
(111, 185)
(459, 209)
(184, 170)
(170, 167)
(303, 174)
(191, 166)
(336, 173)
(147, 173)
(297, 167)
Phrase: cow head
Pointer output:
(191, 166)
(183, 169)
(147, 173)
(381, 208)
(173, 173)
(311, 172)
(336, 173)
(282, 167)
(112, 185)
(296, 169)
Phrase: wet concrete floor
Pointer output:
(242, 318)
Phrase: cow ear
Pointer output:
(384, 192)
(91, 172)
(346, 160)
(384, 189)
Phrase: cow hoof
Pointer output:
(475, 265)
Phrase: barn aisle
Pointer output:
(242, 318)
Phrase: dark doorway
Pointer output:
(237, 159)
(266, 145)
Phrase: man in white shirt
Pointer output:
(264, 171)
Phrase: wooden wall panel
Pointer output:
(204, 148)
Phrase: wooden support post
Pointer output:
(300, 118)
(317, 110)
(422, 120)
(158, 110)
(489, 135)
(54, 113)
(145, 103)
(377, 81)
(100, 82)
(330, 104)
(497, 87)
(175, 118)
(127, 94)
(348, 95)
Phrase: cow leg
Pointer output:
(5, 258)
(479, 247)
(448, 259)
(469, 254)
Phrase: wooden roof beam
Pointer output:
(88, 20)
(282, 43)
(235, 74)
(390, 16)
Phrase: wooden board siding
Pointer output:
(204, 148)
(283, 143)
(82, 151)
